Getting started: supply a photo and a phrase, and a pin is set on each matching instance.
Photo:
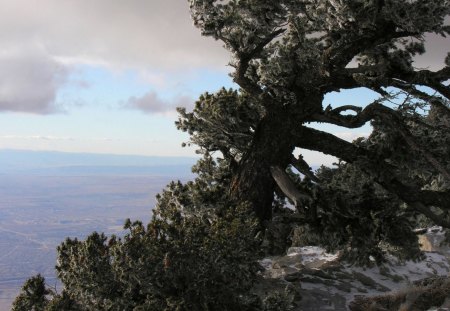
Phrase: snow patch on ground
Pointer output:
(326, 282)
(311, 254)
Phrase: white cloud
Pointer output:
(35, 137)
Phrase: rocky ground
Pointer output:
(316, 280)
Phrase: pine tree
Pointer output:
(287, 55)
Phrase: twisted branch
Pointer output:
(410, 193)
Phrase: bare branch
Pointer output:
(432, 100)
(340, 109)
(334, 116)
(288, 187)
(312, 139)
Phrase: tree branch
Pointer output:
(411, 89)
(437, 219)
(337, 56)
(334, 116)
(389, 116)
(244, 59)
(383, 172)
(303, 167)
(288, 187)
(364, 69)
(432, 79)
(312, 139)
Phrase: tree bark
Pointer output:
(253, 181)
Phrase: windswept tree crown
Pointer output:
(287, 55)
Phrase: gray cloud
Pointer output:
(40, 40)
(437, 48)
(29, 81)
(152, 103)
(141, 33)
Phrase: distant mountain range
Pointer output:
(63, 163)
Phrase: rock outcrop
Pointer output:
(321, 281)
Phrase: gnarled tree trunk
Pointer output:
(271, 146)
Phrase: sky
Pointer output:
(105, 76)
